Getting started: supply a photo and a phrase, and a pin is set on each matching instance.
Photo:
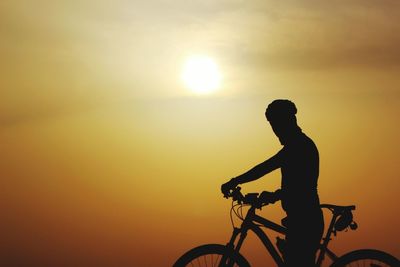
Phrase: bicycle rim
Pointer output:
(366, 258)
(210, 256)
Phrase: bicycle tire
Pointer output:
(204, 254)
(373, 256)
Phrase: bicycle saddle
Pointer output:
(338, 209)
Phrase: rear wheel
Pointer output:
(210, 256)
(367, 258)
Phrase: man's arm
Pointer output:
(256, 172)
(260, 170)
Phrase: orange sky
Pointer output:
(108, 160)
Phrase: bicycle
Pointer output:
(229, 254)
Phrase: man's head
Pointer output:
(281, 114)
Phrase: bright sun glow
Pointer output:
(201, 74)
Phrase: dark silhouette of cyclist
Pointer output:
(299, 164)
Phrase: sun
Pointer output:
(201, 74)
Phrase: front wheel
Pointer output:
(211, 255)
(368, 258)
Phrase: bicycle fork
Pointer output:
(228, 259)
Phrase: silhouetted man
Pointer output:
(299, 164)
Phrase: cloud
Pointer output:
(59, 53)
(304, 35)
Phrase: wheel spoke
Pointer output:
(210, 255)
(217, 260)
(212, 260)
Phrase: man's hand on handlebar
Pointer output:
(230, 189)
(269, 197)
(228, 186)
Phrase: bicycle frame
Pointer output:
(251, 222)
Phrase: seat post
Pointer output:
(326, 239)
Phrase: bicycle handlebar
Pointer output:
(252, 199)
